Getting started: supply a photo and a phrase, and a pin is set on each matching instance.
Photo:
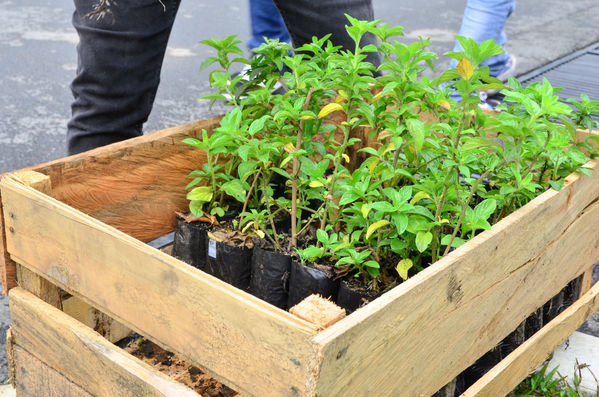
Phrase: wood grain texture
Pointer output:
(241, 340)
(35, 379)
(27, 279)
(586, 281)
(109, 328)
(134, 185)
(8, 268)
(444, 318)
(505, 376)
(82, 355)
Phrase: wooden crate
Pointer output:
(81, 223)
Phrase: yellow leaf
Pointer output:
(307, 117)
(328, 109)
(289, 148)
(375, 226)
(345, 157)
(340, 98)
(246, 227)
(372, 166)
(341, 246)
(384, 134)
(444, 221)
(365, 210)
(316, 184)
(284, 162)
(465, 69)
(390, 148)
(260, 233)
(419, 196)
(377, 96)
(444, 103)
(402, 268)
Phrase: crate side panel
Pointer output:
(506, 375)
(8, 268)
(444, 318)
(34, 379)
(82, 355)
(134, 185)
(239, 339)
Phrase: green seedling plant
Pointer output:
(435, 172)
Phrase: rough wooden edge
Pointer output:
(506, 375)
(109, 328)
(81, 355)
(193, 314)
(362, 349)
(134, 185)
(37, 379)
(10, 356)
(8, 268)
(586, 281)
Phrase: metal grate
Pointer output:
(577, 74)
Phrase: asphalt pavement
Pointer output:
(38, 62)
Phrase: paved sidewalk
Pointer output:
(7, 391)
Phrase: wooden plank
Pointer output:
(586, 280)
(103, 324)
(444, 318)
(506, 375)
(10, 356)
(39, 286)
(241, 340)
(35, 379)
(27, 279)
(81, 355)
(135, 185)
(8, 268)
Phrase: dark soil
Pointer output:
(177, 369)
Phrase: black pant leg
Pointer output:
(119, 61)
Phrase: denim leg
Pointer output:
(266, 21)
(119, 61)
(484, 20)
(307, 18)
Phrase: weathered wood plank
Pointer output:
(103, 324)
(135, 185)
(586, 280)
(100, 368)
(27, 279)
(8, 268)
(241, 340)
(447, 316)
(35, 379)
(506, 375)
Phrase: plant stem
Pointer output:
(466, 203)
(298, 146)
(247, 197)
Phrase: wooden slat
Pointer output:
(586, 280)
(505, 376)
(109, 328)
(81, 355)
(27, 279)
(434, 325)
(246, 343)
(35, 379)
(135, 185)
(8, 268)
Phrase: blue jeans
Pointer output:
(266, 22)
(484, 20)
(120, 57)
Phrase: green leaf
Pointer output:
(455, 243)
(383, 206)
(423, 240)
(196, 207)
(557, 185)
(375, 226)
(416, 129)
(201, 193)
(245, 169)
(401, 222)
(234, 189)
(348, 197)
(258, 125)
(310, 253)
(402, 268)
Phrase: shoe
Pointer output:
(508, 70)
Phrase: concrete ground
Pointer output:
(38, 60)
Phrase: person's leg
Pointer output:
(119, 61)
(308, 18)
(484, 20)
(266, 21)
